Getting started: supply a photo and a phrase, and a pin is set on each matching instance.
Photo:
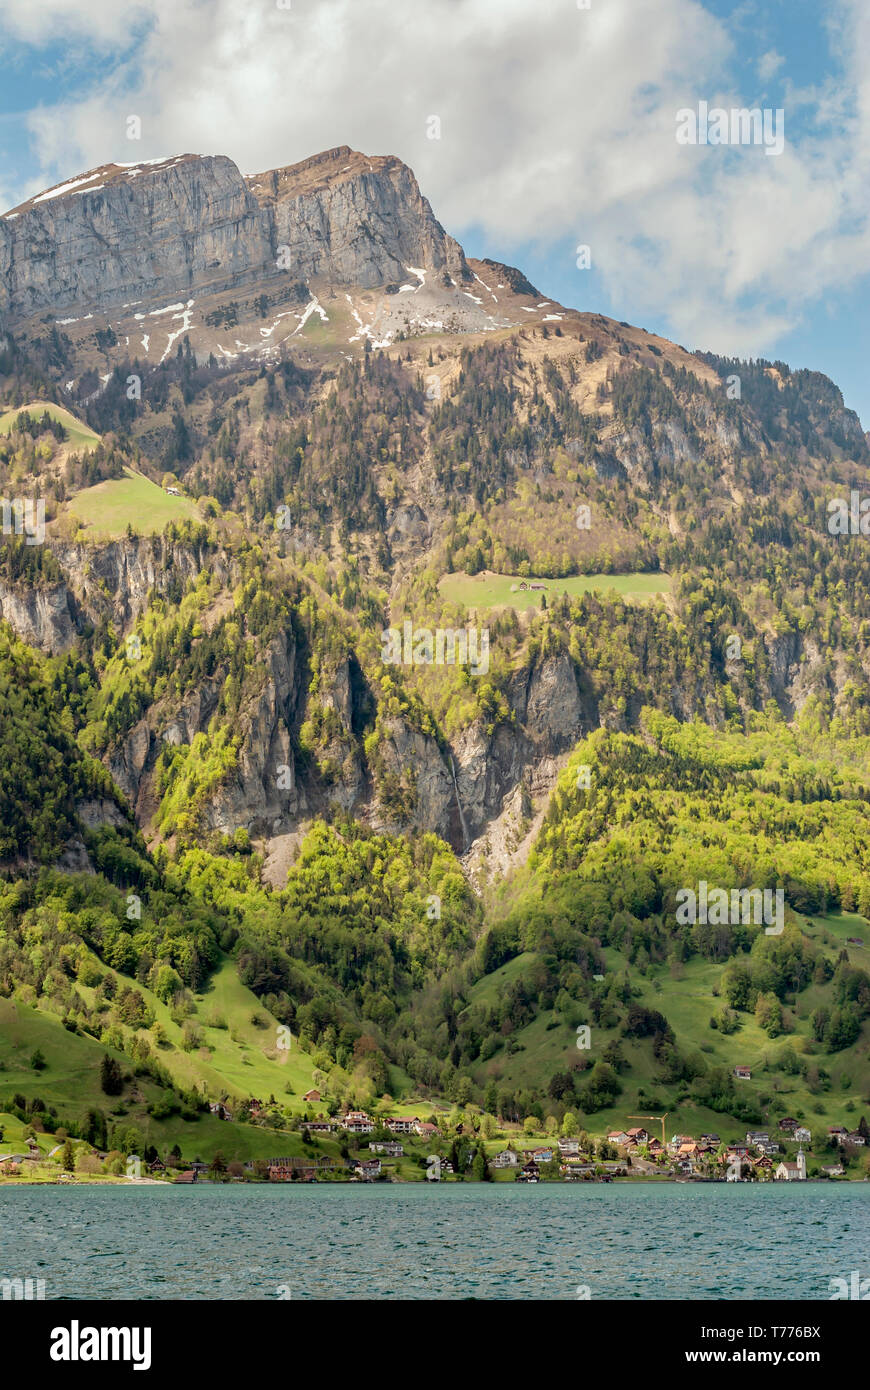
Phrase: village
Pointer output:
(461, 1151)
(462, 1145)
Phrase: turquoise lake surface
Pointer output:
(455, 1241)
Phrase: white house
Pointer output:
(357, 1122)
(401, 1124)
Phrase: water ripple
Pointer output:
(451, 1242)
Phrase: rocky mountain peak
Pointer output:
(354, 220)
(121, 263)
(95, 180)
(319, 171)
(190, 226)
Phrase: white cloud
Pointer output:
(103, 22)
(769, 64)
(555, 123)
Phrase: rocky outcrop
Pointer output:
(263, 794)
(114, 580)
(352, 220)
(340, 695)
(74, 857)
(547, 701)
(783, 655)
(457, 791)
(128, 761)
(487, 769)
(550, 715)
(119, 234)
(111, 581)
(191, 226)
(414, 759)
(43, 616)
(99, 812)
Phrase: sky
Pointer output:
(556, 129)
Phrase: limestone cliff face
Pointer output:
(262, 792)
(192, 226)
(115, 579)
(43, 617)
(118, 235)
(481, 793)
(550, 715)
(270, 794)
(456, 792)
(355, 221)
(111, 581)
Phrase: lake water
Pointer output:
(454, 1241)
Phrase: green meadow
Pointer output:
(488, 590)
(106, 509)
(80, 438)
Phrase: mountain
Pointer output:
(338, 217)
(295, 452)
(141, 255)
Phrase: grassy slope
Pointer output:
(239, 1061)
(688, 1002)
(488, 590)
(80, 439)
(106, 509)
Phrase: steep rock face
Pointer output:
(409, 755)
(43, 617)
(550, 716)
(547, 700)
(116, 578)
(783, 655)
(127, 762)
(262, 793)
(269, 795)
(340, 696)
(132, 760)
(355, 221)
(488, 768)
(111, 580)
(346, 785)
(191, 226)
(179, 228)
(96, 813)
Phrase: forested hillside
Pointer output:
(231, 803)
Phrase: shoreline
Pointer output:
(650, 1180)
